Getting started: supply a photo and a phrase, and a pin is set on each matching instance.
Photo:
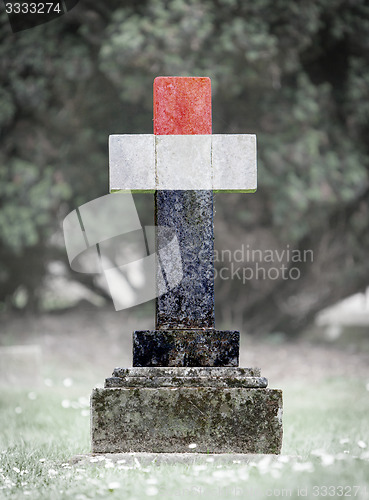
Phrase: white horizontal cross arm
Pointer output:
(218, 162)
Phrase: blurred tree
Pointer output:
(296, 74)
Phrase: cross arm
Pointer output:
(218, 162)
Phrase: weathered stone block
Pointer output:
(183, 162)
(130, 382)
(182, 105)
(146, 162)
(186, 377)
(234, 162)
(190, 215)
(186, 371)
(186, 348)
(132, 162)
(168, 420)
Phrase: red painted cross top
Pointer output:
(182, 106)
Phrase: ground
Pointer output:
(42, 427)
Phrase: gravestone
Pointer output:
(185, 391)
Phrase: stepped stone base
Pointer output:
(220, 410)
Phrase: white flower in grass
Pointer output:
(18, 410)
(67, 382)
(228, 474)
(109, 465)
(32, 396)
(341, 456)
(85, 413)
(65, 403)
(344, 440)
(217, 473)
(8, 483)
(152, 491)
(275, 473)
(84, 402)
(207, 479)
(243, 474)
(52, 472)
(42, 460)
(327, 460)
(361, 444)
(26, 492)
(124, 467)
(94, 459)
(114, 485)
(210, 459)
(199, 467)
(192, 446)
(303, 467)
(264, 464)
(152, 480)
(121, 461)
(277, 465)
(15, 469)
(318, 453)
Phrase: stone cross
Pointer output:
(183, 163)
(185, 391)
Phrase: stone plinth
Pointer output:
(206, 347)
(186, 377)
(221, 410)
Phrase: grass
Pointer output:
(325, 451)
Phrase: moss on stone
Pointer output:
(166, 420)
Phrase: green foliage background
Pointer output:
(294, 73)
